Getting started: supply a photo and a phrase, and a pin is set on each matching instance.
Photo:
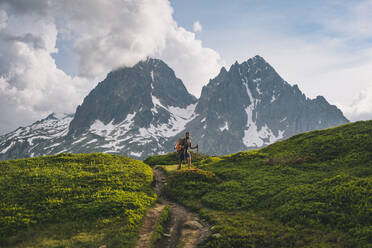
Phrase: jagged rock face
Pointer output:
(133, 111)
(141, 89)
(142, 110)
(251, 106)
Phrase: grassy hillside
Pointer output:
(312, 190)
(172, 158)
(83, 200)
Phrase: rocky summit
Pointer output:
(142, 110)
(251, 106)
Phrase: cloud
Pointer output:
(103, 43)
(111, 34)
(194, 64)
(29, 38)
(31, 86)
(197, 27)
(105, 35)
(361, 108)
(354, 28)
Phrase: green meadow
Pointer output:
(82, 200)
(312, 190)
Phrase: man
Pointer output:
(184, 154)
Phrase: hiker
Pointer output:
(182, 146)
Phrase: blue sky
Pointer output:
(230, 22)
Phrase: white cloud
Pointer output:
(116, 33)
(193, 63)
(105, 35)
(361, 108)
(150, 30)
(31, 86)
(197, 27)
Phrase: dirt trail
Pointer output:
(184, 229)
(149, 224)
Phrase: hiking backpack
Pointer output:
(178, 145)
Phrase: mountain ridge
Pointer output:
(259, 106)
(142, 110)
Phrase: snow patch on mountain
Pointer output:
(101, 129)
(118, 136)
(254, 137)
(111, 130)
(79, 140)
(266, 133)
(51, 146)
(91, 141)
(177, 122)
(114, 134)
(225, 127)
(8, 147)
(136, 154)
(273, 98)
(285, 118)
(156, 102)
(181, 116)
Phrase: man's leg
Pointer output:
(180, 161)
(189, 162)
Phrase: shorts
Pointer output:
(183, 155)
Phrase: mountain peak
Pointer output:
(150, 64)
(321, 99)
(258, 57)
(151, 61)
(222, 72)
(253, 102)
(146, 89)
(58, 116)
(256, 61)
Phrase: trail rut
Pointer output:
(184, 229)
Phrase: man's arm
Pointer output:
(193, 147)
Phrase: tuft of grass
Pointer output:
(73, 200)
